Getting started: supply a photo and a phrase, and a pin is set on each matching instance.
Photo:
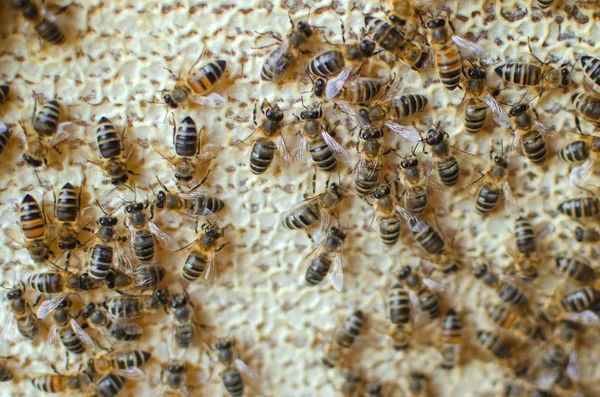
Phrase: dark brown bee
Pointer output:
(200, 261)
(427, 298)
(369, 168)
(373, 389)
(359, 90)
(33, 225)
(56, 383)
(46, 29)
(386, 215)
(5, 134)
(452, 333)
(506, 318)
(576, 270)
(231, 375)
(142, 277)
(343, 338)
(585, 150)
(587, 106)
(97, 317)
(326, 257)
(125, 307)
(398, 302)
(174, 379)
(445, 161)
(415, 183)
(109, 386)
(193, 83)
(4, 90)
(196, 202)
(526, 257)
(557, 353)
(123, 363)
(59, 282)
(20, 312)
(143, 233)
(530, 132)
(508, 291)
(497, 345)
(66, 327)
(183, 316)
(280, 60)
(586, 235)
(580, 208)
(576, 301)
(591, 68)
(70, 224)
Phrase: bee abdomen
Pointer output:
(575, 269)
(591, 67)
(317, 270)
(430, 240)
(131, 358)
(581, 300)
(184, 335)
(123, 332)
(46, 283)
(510, 294)
(29, 327)
(582, 207)
(587, 105)
(233, 382)
(110, 385)
(416, 201)
(194, 265)
(399, 302)
(67, 204)
(143, 245)
(203, 203)
(32, 219)
(448, 171)
(555, 356)
(525, 236)
(449, 67)
(327, 64)
(50, 32)
(109, 142)
(451, 339)
(302, 218)
(186, 138)
(261, 157)
(323, 157)
(407, 105)
(367, 180)
(475, 116)
(101, 260)
(487, 198)
(4, 134)
(544, 4)
(5, 373)
(430, 303)
(351, 328)
(520, 73)
(493, 343)
(46, 120)
(389, 229)
(275, 67)
(206, 77)
(361, 92)
(574, 152)
(534, 146)
(71, 341)
(123, 307)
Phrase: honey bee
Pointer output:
(446, 46)
(586, 235)
(33, 225)
(344, 337)
(66, 327)
(323, 149)
(20, 312)
(109, 386)
(45, 28)
(587, 106)
(143, 233)
(560, 348)
(585, 150)
(391, 39)
(506, 318)
(577, 270)
(426, 298)
(452, 334)
(98, 318)
(186, 139)
(5, 134)
(66, 212)
(531, 133)
(358, 90)
(477, 100)
(200, 260)
(142, 277)
(580, 208)
(193, 83)
(126, 307)
(575, 302)
(4, 90)
(320, 261)
(495, 344)
(110, 149)
(445, 156)
(57, 383)
(60, 283)
(278, 63)
(544, 4)
(317, 208)
(386, 215)
(233, 365)
(508, 290)
(417, 385)
(196, 202)
(369, 168)
(123, 363)
(591, 68)
(526, 256)
(183, 314)
(398, 303)
(174, 379)
(415, 184)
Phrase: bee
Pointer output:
(45, 28)
(5, 134)
(557, 353)
(33, 225)
(531, 133)
(577, 270)
(317, 208)
(66, 212)
(231, 375)
(57, 383)
(279, 61)
(587, 106)
(352, 380)
(196, 202)
(126, 307)
(446, 46)
(202, 252)
(59, 282)
(66, 327)
(580, 208)
(427, 299)
(526, 256)
(123, 363)
(586, 235)
(444, 156)
(495, 344)
(186, 139)
(174, 379)
(386, 215)
(323, 149)
(508, 290)
(576, 301)
(98, 318)
(417, 385)
(109, 386)
(398, 303)
(143, 233)
(183, 314)
(477, 100)
(452, 333)
(50, 132)
(369, 168)
(415, 185)
(20, 312)
(326, 254)
(193, 83)
(110, 149)
(544, 4)
(142, 277)
(392, 39)
(358, 90)
(4, 90)
(343, 338)
(591, 68)
(585, 150)
(505, 318)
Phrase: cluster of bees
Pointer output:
(416, 34)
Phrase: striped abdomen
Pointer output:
(449, 66)
(511, 294)
(46, 119)
(109, 386)
(67, 204)
(323, 156)
(202, 204)
(49, 31)
(195, 264)
(525, 236)
(124, 306)
(360, 91)
(544, 4)
(51, 383)
(303, 217)
(574, 152)
(46, 283)
(586, 235)
(276, 65)
(129, 358)
(534, 146)
(5, 373)
(575, 269)
(580, 208)
(203, 79)
(493, 343)
(448, 171)
(430, 303)
(109, 142)
(588, 106)
(415, 200)
(327, 64)
(350, 329)
(186, 138)
(429, 239)
(70, 340)
(233, 382)
(368, 177)
(28, 324)
(591, 67)
(261, 156)
(184, 334)
(389, 229)
(580, 300)
(123, 331)
(318, 269)
(407, 105)
(527, 74)
(5, 134)
(101, 259)
(143, 244)
(487, 198)
(32, 219)
(451, 340)
(475, 115)
(399, 305)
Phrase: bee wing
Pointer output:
(407, 132)
(579, 173)
(85, 338)
(308, 201)
(544, 129)
(48, 306)
(476, 183)
(285, 151)
(8, 330)
(437, 287)
(460, 111)
(245, 369)
(213, 100)
(335, 85)
(53, 335)
(510, 202)
(476, 162)
(352, 114)
(163, 151)
(337, 273)
(64, 131)
(300, 149)
(415, 223)
(162, 237)
(123, 261)
(209, 268)
(280, 51)
(498, 112)
(133, 373)
(469, 48)
(333, 144)
(323, 227)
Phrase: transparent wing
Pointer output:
(245, 369)
(510, 202)
(337, 273)
(498, 112)
(579, 173)
(53, 335)
(130, 373)
(460, 111)
(321, 232)
(48, 306)
(415, 223)
(285, 151)
(8, 330)
(544, 129)
(335, 85)
(213, 100)
(123, 260)
(209, 268)
(64, 131)
(279, 52)
(352, 114)
(196, 193)
(477, 163)
(333, 144)
(162, 237)
(313, 255)
(85, 338)
(296, 207)
(469, 48)
(437, 287)
(300, 149)
(163, 151)
(407, 132)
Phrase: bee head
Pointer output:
(319, 87)
(367, 47)
(565, 74)
(305, 28)
(476, 72)
(169, 101)
(410, 162)
(274, 113)
(382, 191)
(500, 161)
(32, 161)
(107, 221)
(178, 300)
(518, 110)
(223, 344)
(185, 178)
(436, 23)
(176, 367)
(434, 136)
(334, 231)
(89, 309)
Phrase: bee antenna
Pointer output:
(100, 206)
